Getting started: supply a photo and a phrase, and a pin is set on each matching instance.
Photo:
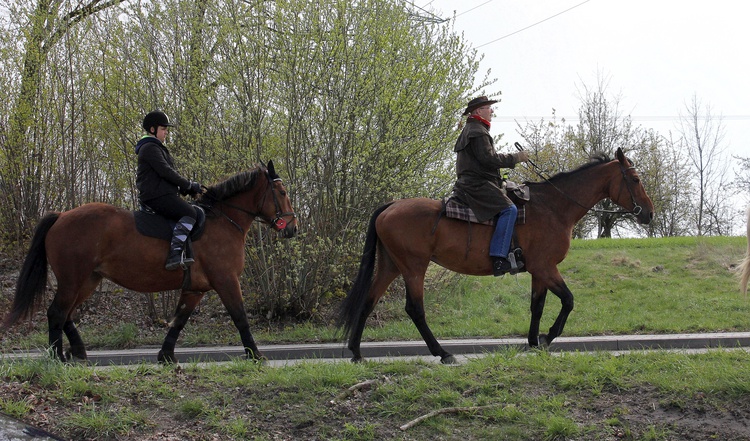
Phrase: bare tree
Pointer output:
(666, 176)
(702, 137)
(602, 129)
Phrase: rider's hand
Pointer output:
(195, 189)
(522, 156)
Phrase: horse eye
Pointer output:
(636, 179)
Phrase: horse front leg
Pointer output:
(185, 307)
(231, 296)
(538, 296)
(566, 299)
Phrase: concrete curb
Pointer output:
(418, 348)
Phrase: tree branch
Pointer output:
(453, 410)
(365, 385)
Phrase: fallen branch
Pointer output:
(365, 385)
(416, 421)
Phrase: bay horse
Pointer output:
(407, 234)
(96, 241)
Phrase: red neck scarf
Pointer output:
(480, 119)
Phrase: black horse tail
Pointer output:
(354, 303)
(32, 280)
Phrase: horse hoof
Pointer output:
(259, 360)
(57, 355)
(166, 358)
(77, 354)
(543, 343)
(71, 358)
(449, 359)
(357, 359)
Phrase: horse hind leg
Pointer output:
(185, 307)
(77, 347)
(60, 322)
(415, 310)
(385, 275)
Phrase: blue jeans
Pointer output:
(500, 243)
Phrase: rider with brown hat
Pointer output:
(479, 184)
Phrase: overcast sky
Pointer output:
(656, 54)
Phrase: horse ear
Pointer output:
(271, 170)
(621, 156)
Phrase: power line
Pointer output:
(530, 26)
(475, 7)
(509, 119)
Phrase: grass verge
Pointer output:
(507, 395)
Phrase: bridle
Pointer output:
(637, 209)
(278, 222)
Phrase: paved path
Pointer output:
(278, 354)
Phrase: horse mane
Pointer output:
(230, 186)
(594, 160)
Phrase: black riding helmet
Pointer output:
(155, 119)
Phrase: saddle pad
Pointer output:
(456, 210)
(154, 225)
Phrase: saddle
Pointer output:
(518, 193)
(151, 224)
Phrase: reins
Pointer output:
(277, 222)
(636, 208)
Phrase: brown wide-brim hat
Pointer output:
(477, 103)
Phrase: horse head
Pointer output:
(278, 210)
(630, 193)
(256, 194)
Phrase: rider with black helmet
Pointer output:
(159, 184)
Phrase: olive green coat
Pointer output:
(479, 184)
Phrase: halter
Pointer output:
(278, 222)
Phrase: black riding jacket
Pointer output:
(156, 175)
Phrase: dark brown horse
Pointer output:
(407, 234)
(96, 241)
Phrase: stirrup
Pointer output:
(515, 267)
(183, 262)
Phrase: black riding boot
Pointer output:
(177, 258)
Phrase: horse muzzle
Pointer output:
(289, 232)
(286, 230)
(645, 217)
